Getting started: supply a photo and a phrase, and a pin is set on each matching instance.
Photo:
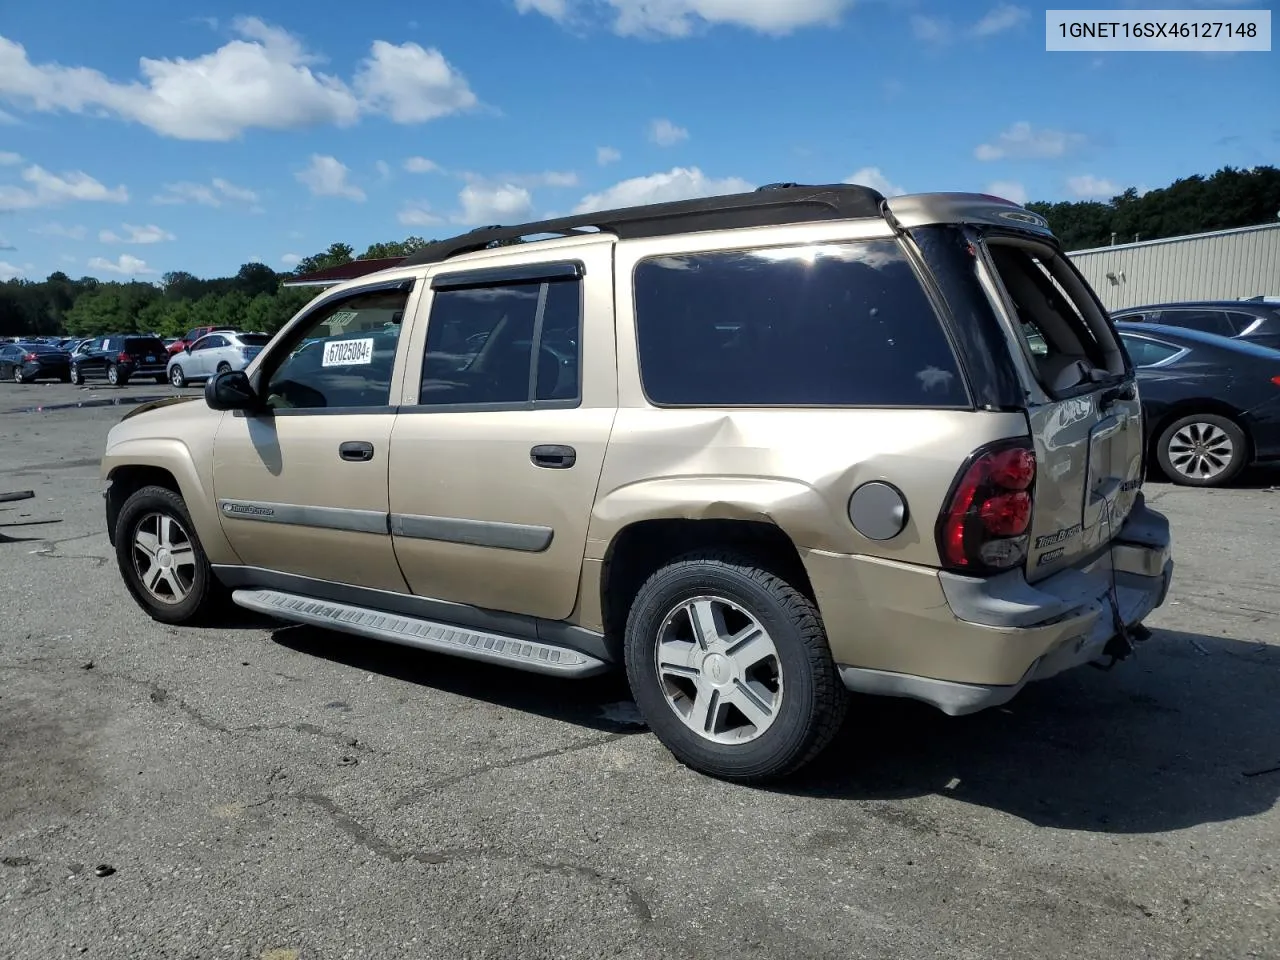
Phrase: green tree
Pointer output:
(394, 248)
(336, 255)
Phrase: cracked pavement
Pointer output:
(274, 792)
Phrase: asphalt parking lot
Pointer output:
(288, 794)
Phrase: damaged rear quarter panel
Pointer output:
(795, 468)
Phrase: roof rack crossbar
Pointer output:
(772, 205)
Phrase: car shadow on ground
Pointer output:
(1182, 734)
(598, 703)
(1261, 477)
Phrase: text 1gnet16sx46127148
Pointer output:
(759, 451)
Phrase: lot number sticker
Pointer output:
(343, 353)
(342, 318)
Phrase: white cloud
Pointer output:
(1009, 190)
(264, 79)
(384, 169)
(683, 18)
(49, 189)
(126, 264)
(76, 232)
(133, 234)
(999, 19)
(291, 259)
(6, 245)
(930, 29)
(679, 183)
(327, 177)
(214, 194)
(607, 155)
(1089, 187)
(422, 165)
(555, 9)
(9, 272)
(665, 133)
(1023, 142)
(412, 85)
(8, 159)
(417, 215)
(873, 177)
(495, 203)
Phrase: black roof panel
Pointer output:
(771, 205)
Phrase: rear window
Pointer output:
(842, 324)
(254, 339)
(143, 345)
(1053, 326)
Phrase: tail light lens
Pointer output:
(30, 358)
(1276, 380)
(124, 357)
(984, 526)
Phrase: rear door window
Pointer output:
(841, 324)
(1146, 353)
(1206, 321)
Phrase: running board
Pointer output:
(529, 655)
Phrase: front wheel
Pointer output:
(224, 367)
(176, 376)
(161, 559)
(729, 664)
(77, 376)
(1203, 450)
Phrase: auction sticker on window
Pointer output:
(344, 353)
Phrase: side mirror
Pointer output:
(186, 348)
(231, 390)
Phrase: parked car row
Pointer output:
(122, 357)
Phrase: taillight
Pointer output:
(1276, 380)
(124, 357)
(30, 358)
(984, 526)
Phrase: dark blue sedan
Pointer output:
(1211, 403)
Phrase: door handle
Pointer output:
(357, 451)
(553, 456)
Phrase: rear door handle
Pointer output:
(357, 451)
(553, 456)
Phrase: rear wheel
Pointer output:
(162, 561)
(19, 376)
(1202, 450)
(113, 376)
(729, 664)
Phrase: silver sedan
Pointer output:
(214, 353)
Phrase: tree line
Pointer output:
(254, 299)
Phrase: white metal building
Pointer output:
(1221, 265)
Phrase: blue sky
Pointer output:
(149, 140)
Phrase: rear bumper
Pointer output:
(963, 643)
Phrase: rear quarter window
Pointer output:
(842, 324)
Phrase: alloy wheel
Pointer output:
(719, 670)
(164, 558)
(1200, 451)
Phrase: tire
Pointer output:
(77, 376)
(807, 701)
(113, 376)
(1202, 450)
(19, 378)
(224, 367)
(176, 376)
(185, 592)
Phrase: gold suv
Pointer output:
(759, 451)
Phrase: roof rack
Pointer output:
(771, 205)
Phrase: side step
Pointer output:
(529, 655)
